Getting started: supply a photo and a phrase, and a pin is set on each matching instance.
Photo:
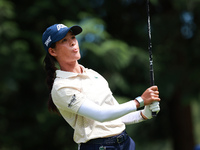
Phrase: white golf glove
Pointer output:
(148, 109)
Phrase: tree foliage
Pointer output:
(114, 43)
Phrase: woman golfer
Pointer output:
(83, 97)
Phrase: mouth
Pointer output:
(76, 50)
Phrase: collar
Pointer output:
(66, 74)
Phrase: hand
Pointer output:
(147, 111)
(150, 95)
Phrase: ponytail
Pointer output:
(50, 68)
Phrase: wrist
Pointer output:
(143, 116)
(137, 103)
(140, 101)
(146, 112)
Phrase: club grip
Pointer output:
(154, 114)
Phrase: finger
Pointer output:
(154, 104)
(156, 92)
(154, 88)
(156, 98)
(154, 95)
(154, 107)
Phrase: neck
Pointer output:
(71, 67)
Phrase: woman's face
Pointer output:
(67, 49)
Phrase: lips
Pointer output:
(76, 50)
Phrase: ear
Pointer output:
(52, 51)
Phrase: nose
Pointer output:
(73, 42)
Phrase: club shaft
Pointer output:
(150, 51)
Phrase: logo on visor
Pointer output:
(48, 41)
(60, 26)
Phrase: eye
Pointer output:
(64, 40)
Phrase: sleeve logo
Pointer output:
(72, 101)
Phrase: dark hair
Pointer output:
(49, 64)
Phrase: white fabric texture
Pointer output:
(106, 113)
(131, 118)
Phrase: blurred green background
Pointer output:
(114, 42)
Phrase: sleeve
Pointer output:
(105, 113)
(131, 118)
(66, 98)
